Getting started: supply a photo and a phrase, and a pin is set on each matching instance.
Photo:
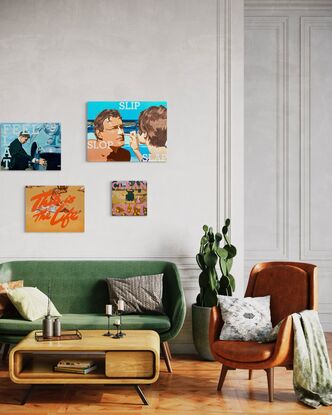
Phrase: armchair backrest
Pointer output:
(291, 285)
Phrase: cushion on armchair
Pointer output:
(245, 319)
(243, 351)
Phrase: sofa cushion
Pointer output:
(141, 294)
(243, 351)
(31, 303)
(159, 323)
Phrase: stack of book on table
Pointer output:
(80, 366)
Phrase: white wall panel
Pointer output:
(316, 102)
(302, 202)
(266, 132)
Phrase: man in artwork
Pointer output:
(109, 132)
(20, 159)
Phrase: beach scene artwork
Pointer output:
(129, 198)
(127, 131)
(54, 208)
(30, 146)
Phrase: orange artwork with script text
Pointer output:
(54, 209)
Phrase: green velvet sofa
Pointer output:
(79, 291)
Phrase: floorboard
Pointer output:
(191, 389)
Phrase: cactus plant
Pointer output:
(210, 254)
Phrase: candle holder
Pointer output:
(109, 334)
(121, 334)
(117, 335)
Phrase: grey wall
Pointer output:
(58, 54)
(288, 149)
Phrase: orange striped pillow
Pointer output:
(6, 307)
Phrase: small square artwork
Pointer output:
(54, 208)
(30, 146)
(129, 198)
(134, 131)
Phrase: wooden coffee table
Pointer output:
(131, 360)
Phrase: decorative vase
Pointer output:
(47, 327)
(200, 330)
(56, 328)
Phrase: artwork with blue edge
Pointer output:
(132, 131)
(30, 146)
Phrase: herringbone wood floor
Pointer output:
(191, 389)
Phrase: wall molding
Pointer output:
(308, 251)
(223, 110)
(279, 25)
(287, 4)
(224, 104)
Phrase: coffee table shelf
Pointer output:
(42, 366)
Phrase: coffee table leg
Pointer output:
(26, 396)
(141, 394)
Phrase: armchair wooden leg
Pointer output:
(223, 373)
(250, 374)
(270, 382)
(166, 356)
(6, 347)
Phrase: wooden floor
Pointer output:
(191, 389)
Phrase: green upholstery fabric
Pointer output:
(79, 287)
(20, 327)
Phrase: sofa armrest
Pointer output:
(174, 301)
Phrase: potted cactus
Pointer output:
(211, 254)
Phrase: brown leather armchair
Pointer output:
(293, 288)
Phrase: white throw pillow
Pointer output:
(31, 303)
(246, 319)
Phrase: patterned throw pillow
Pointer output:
(6, 307)
(246, 319)
(142, 294)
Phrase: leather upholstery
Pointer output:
(288, 287)
(243, 351)
(79, 287)
(293, 287)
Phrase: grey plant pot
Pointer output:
(200, 329)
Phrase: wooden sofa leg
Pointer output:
(166, 356)
(250, 374)
(5, 351)
(168, 350)
(270, 382)
(223, 373)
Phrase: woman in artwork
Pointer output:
(152, 125)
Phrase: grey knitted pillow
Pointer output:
(246, 319)
(141, 294)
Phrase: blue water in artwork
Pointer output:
(128, 126)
